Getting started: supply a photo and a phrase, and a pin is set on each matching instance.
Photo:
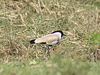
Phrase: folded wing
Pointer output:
(48, 39)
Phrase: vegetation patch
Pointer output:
(24, 20)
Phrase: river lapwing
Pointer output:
(49, 39)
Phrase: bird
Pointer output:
(49, 39)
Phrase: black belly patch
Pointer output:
(43, 43)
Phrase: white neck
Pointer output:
(59, 35)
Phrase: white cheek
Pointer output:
(59, 35)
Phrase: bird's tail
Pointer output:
(32, 42)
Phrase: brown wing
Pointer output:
(47, 38)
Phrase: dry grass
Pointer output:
(23, 20)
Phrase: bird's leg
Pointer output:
(47, 47)
(48, 51)
(45, 55)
